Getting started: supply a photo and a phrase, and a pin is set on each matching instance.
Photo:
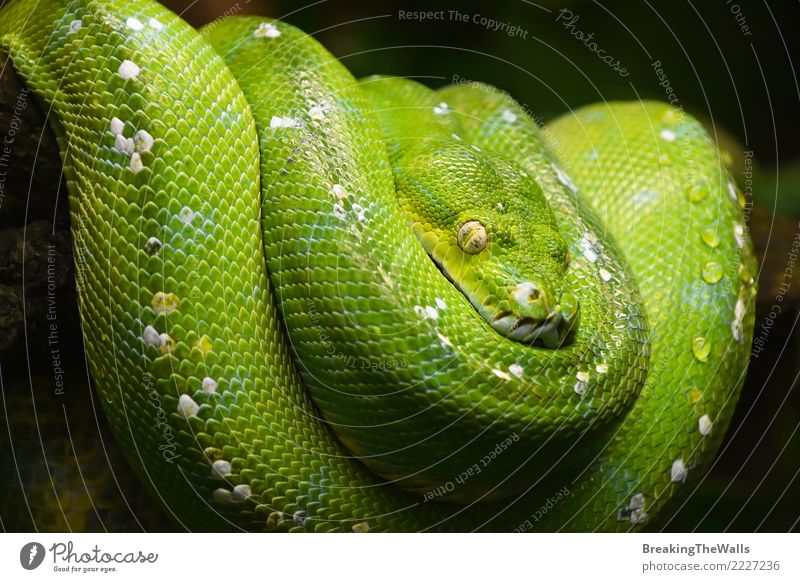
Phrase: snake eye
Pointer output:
(472, 237)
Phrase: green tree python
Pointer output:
(311, 303)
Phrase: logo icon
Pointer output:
(31, 555)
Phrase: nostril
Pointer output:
(530, 301)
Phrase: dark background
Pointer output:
(744, 87)
(744, 83)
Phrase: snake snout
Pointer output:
(536, 316)
(531, 301)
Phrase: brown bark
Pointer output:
(35, 246)
(29, 156)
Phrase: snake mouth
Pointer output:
(534, 318)
(551, 333)
(529, 316)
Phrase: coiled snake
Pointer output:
(311, 303)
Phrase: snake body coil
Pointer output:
(311, 303)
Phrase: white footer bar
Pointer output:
(410, 558)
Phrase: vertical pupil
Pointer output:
(472, 237)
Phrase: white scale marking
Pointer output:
(128, 70)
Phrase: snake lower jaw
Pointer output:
(551, 333)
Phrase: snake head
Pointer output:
(487, 225)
